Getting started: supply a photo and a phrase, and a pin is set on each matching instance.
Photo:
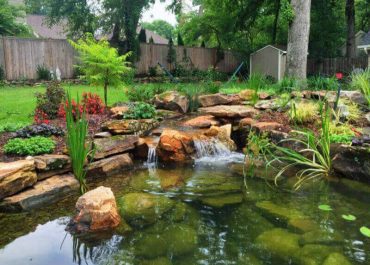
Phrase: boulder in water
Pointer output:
(335, 259)
(172, 100)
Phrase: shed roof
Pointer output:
(281, 48)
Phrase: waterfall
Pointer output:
(213, 151)
(152, 155)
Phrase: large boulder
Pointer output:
(232, 111)
(278, 213)
(175, 146)
(172, 100)
(354, 96)
(51, 165)
(247, 94)
(266, 126)
(218, 99)
(119, 111)
(352, 162)
(109, 166)
(222, 134)
(96, 211)
(105, 147)
(140, 209)
(270, 104)
(16, 176)
(201, 122)
(42, 193)
(137, 127)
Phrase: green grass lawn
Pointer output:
(17, 103)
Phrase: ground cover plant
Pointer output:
(141, 110)
(30, 146)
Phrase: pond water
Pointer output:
(203, 214)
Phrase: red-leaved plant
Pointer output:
(92, 103)
(75, 108)
(41, 117)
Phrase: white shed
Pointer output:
(269, 61)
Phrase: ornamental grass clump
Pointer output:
(303, 112)
(313, 160)
(79, 151)
(362, 81)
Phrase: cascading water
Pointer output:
(213, 150)
(152, 156)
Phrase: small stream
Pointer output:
(216, 217)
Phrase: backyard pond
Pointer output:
(206, 213)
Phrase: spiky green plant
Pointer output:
(362, 81)
(313, 161)
(79, 151)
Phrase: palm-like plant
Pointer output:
(314, 160)
(77, 128)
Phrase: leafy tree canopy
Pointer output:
(161, 27)
(9, 26)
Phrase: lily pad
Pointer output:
(325, 207)
(349, 217)
(365, 231)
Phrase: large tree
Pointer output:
(9, 26)
(161, 27)
(351, 29)
(298, 37)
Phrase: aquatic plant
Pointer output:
(325, 207)
(79, 151)
(349, 217)
(365, 231)
(313, 161)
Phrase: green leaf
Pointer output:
(349, 217)
(365, 231)
(325, 207)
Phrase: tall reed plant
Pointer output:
(313, 161)
(79, 151)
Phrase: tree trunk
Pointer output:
(351, 24)
(298, 37)
(106, 93)
(276, 21)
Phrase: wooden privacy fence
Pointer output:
(330, 66)
(20, 57)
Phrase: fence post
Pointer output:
(2, 57)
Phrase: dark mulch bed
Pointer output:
(275, 116)
(95, 122)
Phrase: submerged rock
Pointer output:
(335, 259)
(221, 201)
(302, 225)
(157, 261)
(321, 237)
(279, 243)
(96, 211)
(106, 147)
(174, 240)
(42, 193)
(172, 100)
(142, 209)
(312, 254)
(278, 212)
(16, 176)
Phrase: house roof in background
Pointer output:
(42, 30)
(158, 39)
(365, 40)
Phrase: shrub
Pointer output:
(101, 63)
(11, 127)
(153, 71)
(79, 151)
(41, 117)
(92, 103)
(49, 102)
(43, 73)
(2, 73)
(76, 108)
(141, 110)
(303, 112)
(39, 130)
(144, 93)
(32, 146)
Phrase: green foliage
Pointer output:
(144, 93)
(287, 11)
(322, 83)
(161, 27)
(287, 85)
(141, 110)
(78, 149)
(341, 138)
(361, 81)
(43, 73)
(303, 112)
(31, 146)
(101, 64)
(50, 101)
(341, 129)
(313, 161)
(9, 25)
(11, 126)
(283, 100)
(180, 41)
